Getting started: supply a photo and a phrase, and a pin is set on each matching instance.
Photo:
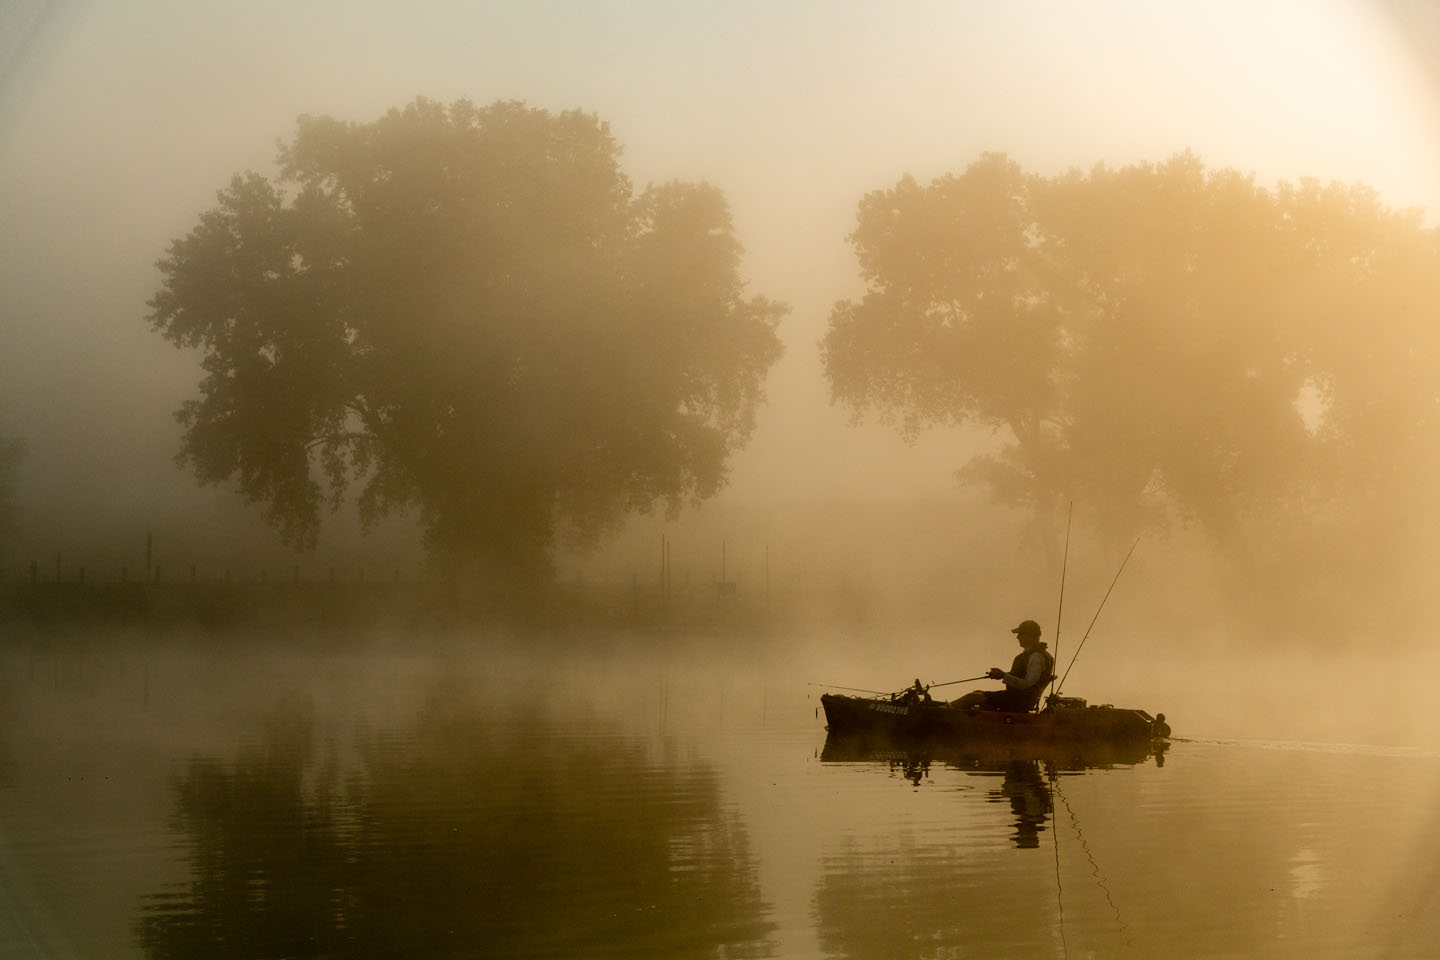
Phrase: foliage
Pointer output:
(1154, 342)
(467, 311)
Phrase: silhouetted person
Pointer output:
(1031, 670)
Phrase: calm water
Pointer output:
(175, 803)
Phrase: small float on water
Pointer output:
(911, 715)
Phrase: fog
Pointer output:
(118, 124)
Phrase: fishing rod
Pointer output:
(983, 676)
(1061, 684)
(836, 686)
(891, 693)
(1064, 565)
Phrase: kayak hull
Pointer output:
(913, 719)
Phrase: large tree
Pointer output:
(1157, 341)
(469, 311)
(962, 319)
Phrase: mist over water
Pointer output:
(455, 796)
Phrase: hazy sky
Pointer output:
(118, 122)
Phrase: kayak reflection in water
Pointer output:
(1029, 673)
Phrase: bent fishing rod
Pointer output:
(1061, 684)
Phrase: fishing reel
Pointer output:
(1056, 702)
(917, 692)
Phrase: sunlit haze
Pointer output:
(119, 122)
(527, 478)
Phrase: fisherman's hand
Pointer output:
(995, 673)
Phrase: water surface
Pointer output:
(184, 802)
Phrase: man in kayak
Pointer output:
(1031, 670)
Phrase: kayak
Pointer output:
(913, 716)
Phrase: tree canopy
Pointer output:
(1157, 342)
(468, 311)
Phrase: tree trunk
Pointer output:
(491, 550)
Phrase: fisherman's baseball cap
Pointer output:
(1027, 628)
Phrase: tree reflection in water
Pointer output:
(265, 852)
(467, 837)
